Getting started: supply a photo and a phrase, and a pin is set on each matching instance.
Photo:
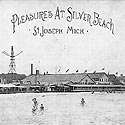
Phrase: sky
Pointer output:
(97, 48)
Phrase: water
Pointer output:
(63, 109)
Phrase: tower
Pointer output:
(12, 65)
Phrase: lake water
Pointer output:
(63, 109)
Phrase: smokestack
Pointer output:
(37, 72)
(31, 69)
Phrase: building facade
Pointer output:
(100, 78)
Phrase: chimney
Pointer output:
(31, 69)
(37, 72)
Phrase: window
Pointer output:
(86, 81)
(29, 82)
(96, 79)
(38, 82)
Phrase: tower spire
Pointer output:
(12, 65)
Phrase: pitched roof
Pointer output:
(121, 78)
(97, 75)
(111, 76)
(50, 78)
(89, 77)
(9, 77)
(114, 79)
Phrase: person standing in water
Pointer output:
(83, 101)
(35, 102)
(35, 106)
(41, 107)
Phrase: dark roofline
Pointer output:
(97, 73)
(58, 74)
(103, 73)
(89, 77)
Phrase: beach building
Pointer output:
(58, 82)
(9, 77)
(100, 78)
(54, 82)
(99, 81)
(114, 80)
(10, 88)
(8, 83)
(87, 80)
(53, 78)
(2, 80)
(121, 78)
(65, 83)
(74, 78)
